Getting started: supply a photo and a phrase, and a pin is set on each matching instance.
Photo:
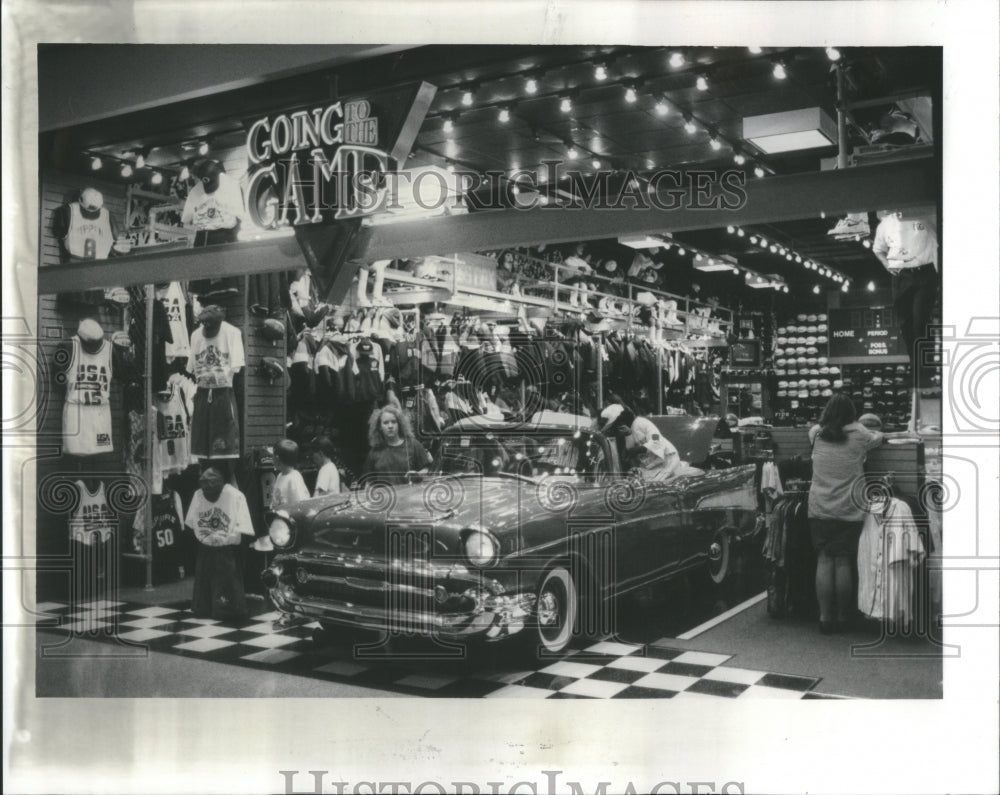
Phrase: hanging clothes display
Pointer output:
(86, 420)
(92, 521)
(167, 534)
(173, 409)
(175, 304)
(215, 359)
(889, 553)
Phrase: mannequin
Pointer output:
(214, 209)
(378, 270)
(216, 356)
(86, 231)
(87, 411)
(907, 245)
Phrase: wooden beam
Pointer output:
(772, 200)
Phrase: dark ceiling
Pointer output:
(601, 124)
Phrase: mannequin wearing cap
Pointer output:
(86, 229)
(87, 410)
(216, 357)
(376, 269)
(645, 447)
(219, 517)
(214, 207)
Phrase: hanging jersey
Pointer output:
(88, 238)
(219, 210)
(92, 521)
(173, 426)
(174, 302)
(213, 361)
(87, 412)
(166, 537)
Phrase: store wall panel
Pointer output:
(264, 398)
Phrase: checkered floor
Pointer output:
(603, 670)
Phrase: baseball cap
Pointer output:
(90, 330)
(609, 414)
(91, 199)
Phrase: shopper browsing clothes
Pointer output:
(328, 476)
(394, 451)
(836, 513)
(219, 518)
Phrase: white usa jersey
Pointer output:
(88, 238)
(92, 521)
(174, 302)
(173, 424)
(87, 411)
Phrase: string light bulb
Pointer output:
(595, 163)
(566, 105)
(661, 108)
(126, 170)
(95, 164)
(846, 286)
(833, 53)
(779, 71)
(816, 289)
(758, 172)
(701, 83)
(504, 115)
(467, 97)
(600, 72)
(185, 174)
(731, 229)
(448, 126)
(630, 95)
(689, 126)
(531, 86)
(677, 59)
(203, 148)
(572, 153)
(755, 50)
(739, 158)
(715, 143)
(740, 233)
(157, 178)
(140, 160)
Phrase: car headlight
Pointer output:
(280, 530)
(481, 549)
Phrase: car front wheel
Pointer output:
(719, 558)
(556, 610)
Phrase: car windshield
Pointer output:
(532, 455)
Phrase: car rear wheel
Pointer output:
(556, 610)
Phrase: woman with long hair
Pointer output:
(836, 512)
(394, 452)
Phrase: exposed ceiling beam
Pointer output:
(772, 200)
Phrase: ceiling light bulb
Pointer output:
(816, 289)
(740, 233)
(126, 170)
(739, 158)
(758, 172)
(784, 289)
(449, 125)
(833, 53)
(504, 115)
(773, 248)
(715, 144)
(753, 240)
(184, 175)
(798, 259)
(531, 86)
(845, 287)
(573, 154)
(677, 60)
(566, 105)
(661, 108)
(203, 148)
(866, 243)
(701, 83)
(698, 257)
(749, 276)
(600, 72)
(690, 127)
(95, 163)
(140, 161)
(763, 242)
(788, 257)
(630, 95)
(730, 229)
(779, 71)
(467, 98)
(157, 178)
(681, 252)
(756, 50)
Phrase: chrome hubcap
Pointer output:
(548, 609)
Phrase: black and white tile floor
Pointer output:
(605, 669)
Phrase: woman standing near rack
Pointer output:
(839, 446)
(394, 451)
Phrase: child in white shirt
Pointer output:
(328, 477)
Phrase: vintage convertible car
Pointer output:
(519, 527)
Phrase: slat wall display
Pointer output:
(263, 406)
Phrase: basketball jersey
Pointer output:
(86, 238)
(92, 521)
(173, 426)
(167, 528)
(174, 302)
(87, 412)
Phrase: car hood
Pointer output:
(692, 436)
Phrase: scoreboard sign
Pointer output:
(865, 335)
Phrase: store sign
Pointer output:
(329, 161)
(864, 333)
